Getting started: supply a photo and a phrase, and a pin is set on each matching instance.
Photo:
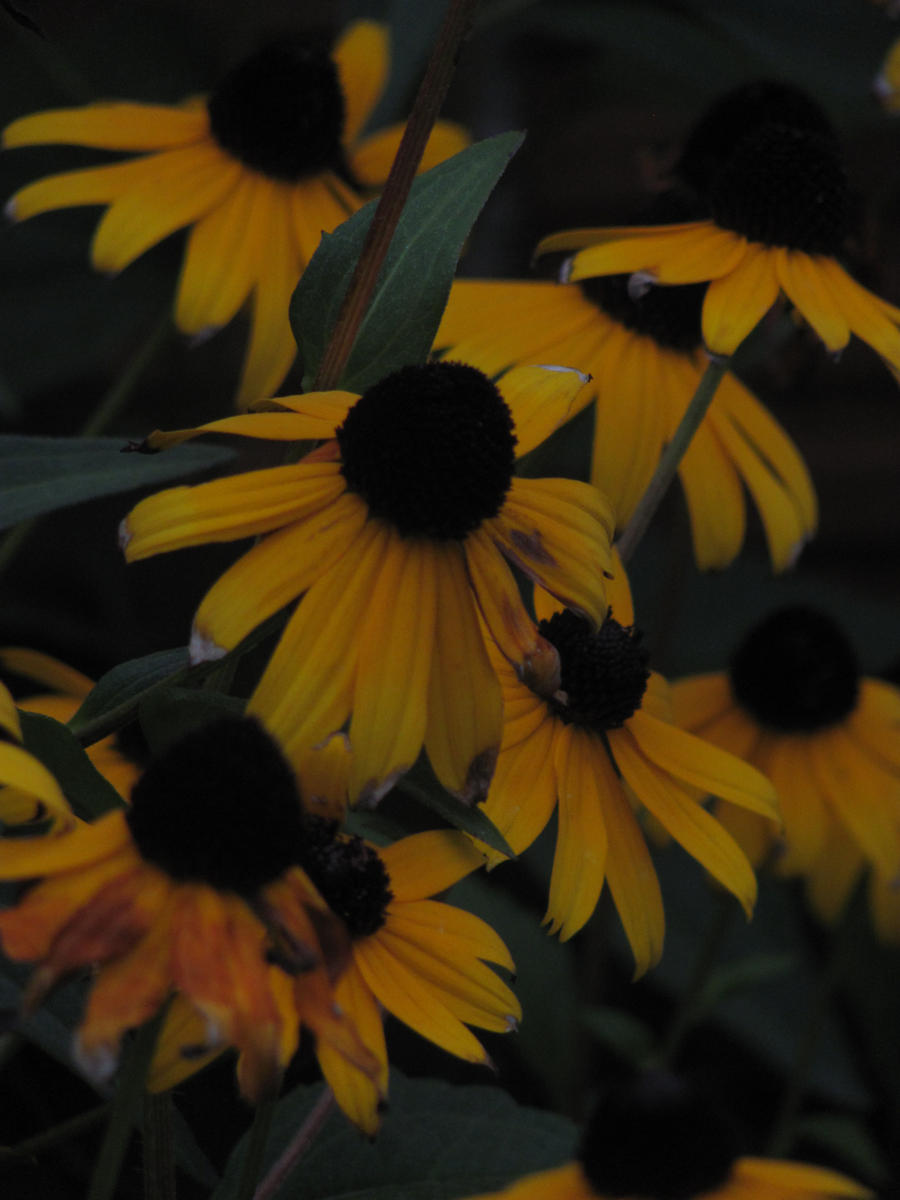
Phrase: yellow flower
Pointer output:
(780, 212)
(656, 1136)
(274, 156)
(886, 84)
(599, 750)
(195, 888)
(794, 704)
(644, 358)
(28, 791)
(396, 532)
(69, 688)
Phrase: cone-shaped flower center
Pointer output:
(784, 187)
(281, 111)
(738, 113)
(655, 1138)
(430, 449)
(221, 807)
(668, 315)
(796, 672)
(604, 672)
(350, 875)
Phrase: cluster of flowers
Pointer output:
(402, 538)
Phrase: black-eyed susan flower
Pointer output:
(418, 959)
(273, 157)
(643, 353)
(599, 751)
(657, 1138)
(795, 704)
(396, 532)
(781, 210)
(28, 791)
(194, 889)
(68, 687)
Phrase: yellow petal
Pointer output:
(357, 1095)
(9, 717)
(523, 791)
(792, 1176)
(735, 303)
(318, 206)
(117, 126)
(632, 877)
(424, 864)
(865, 313)
(451, 932)
(28, 858)
(715, 500)
(45, 669)
(700, 698)
(541, 398)
(21, 771)
(362, 57)
(875, 722)
(372, 159)
(579, 861)
(808, 290)
(560, 1183)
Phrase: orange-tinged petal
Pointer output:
(224, 510)
(120, 125)
(560, 1183)
(792, 1176)
(182, 1048)
(358, 1095)
(579, 862)
(362, 57)
(424, 864)
(465, 709)
(396, 644)
(735, 303)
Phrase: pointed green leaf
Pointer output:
(414, 283)
(89, 794)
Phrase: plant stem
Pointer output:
(297, 1147)
(428, 103)
(125, 1109)
(257, 1140)
(159, 1154)
(48, 1138)
(671, 457)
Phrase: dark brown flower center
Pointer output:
(603, 672)
(668, 315)
(281, 111)
(431, 449)
(350, 875)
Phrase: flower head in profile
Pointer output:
(643, 353)
(397, 533)
(656, 1137)
(780, 211)
(272, 157)
(28, 791)
(193, 889)
(599, 750)
(795, 704)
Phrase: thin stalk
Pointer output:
(257, 1140)
(297, 1147)
(159, 1147)
(111, 403)
(125, 1110)
(671, 457)
(428, 103)
(48, 1138)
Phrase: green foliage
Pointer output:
(114, 698)
(412, 288)
(89, 794)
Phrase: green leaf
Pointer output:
(120, 690)
(40, 474)
(848, 1138)
(437, 1142)
(414, 283)
(89, 794)
(619, 1032)
(421, 785)
(741, 975)
(168, 713)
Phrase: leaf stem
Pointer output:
(159, 1153)
(48, 1138)
(257, 1140)
(429, 100)
(672, 456)
(297, 1147)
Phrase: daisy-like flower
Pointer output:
(781, 210)
(656, 1138)
(599, 750)
(421, 960)
(68, 687)
(28, 791)
(273, 157)
(794, 703)
(644, 355)
(193, 889)
(396, 532)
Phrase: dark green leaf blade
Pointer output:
(89, 794)
(412, 288)
(40, 474)
(438, 1142)
(119, 689)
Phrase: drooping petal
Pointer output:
(362, 57)
(864, 312)
(673, 254)
(579, 862)
(522, 795)
(21, 771)
(875, 722)
(224, 510)
(831, 878)
(396, 646)
(807, 289)
(700, 698)
(579, 239)
(451, 932)
(42, 668)
(426, 863)
(786, 762)
(631, 876)
(121, 125)
(465, 709)
(715, 501)
(735, 303)
(356, 1093)
(314, 209)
